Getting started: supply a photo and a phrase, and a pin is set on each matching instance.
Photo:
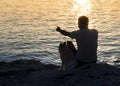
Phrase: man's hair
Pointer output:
(83, 20)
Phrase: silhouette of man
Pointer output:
(86, 41)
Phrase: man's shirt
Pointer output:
(87, 44)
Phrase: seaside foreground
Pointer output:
(35, 73)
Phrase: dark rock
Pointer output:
(19, 66)
(35, 73)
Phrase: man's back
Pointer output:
(87, 44)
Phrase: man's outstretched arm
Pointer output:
(65, 33)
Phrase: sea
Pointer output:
(27, 28)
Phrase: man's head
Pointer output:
(83, 22)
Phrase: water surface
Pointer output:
(27, 27)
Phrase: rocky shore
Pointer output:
(35, 73)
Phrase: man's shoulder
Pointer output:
(94, 30)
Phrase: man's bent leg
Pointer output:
(71, 47)
(67, 55)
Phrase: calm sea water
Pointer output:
(27, 27)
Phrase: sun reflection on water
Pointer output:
(82, 7)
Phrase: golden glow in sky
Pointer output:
(82, 7)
